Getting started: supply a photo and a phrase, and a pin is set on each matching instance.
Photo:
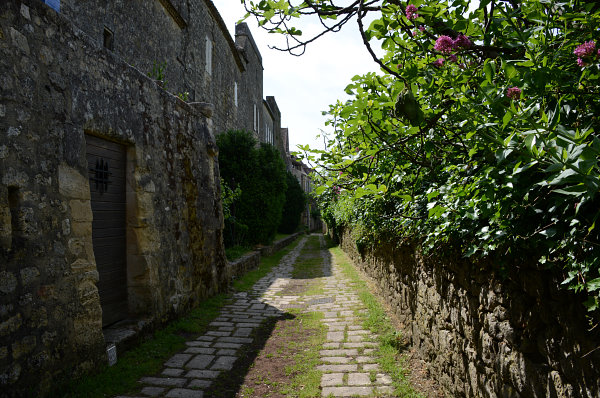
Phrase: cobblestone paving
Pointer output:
(348, 366)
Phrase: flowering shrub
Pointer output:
(450, 152)
(438, 63)
(585, 53)
(411, 12)
(444, 44)
(514, 93)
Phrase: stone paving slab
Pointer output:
(347, 391)
(347, 356)
(184, 393)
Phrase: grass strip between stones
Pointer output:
(148, 358)
(389, 354)
(306, 379)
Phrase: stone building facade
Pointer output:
(109, 183)
(186, 44)
(309, 218)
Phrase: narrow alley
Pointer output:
(303, 313)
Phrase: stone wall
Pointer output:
(482, 334)
(190, 39)
(251, 260)
(57, 87)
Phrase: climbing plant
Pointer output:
(480, 131)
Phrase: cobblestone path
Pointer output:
(347, 363)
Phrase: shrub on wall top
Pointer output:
(295, 200)
(259, 172)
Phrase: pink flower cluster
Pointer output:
(411, 12)
(585, 52)
(446, 45)
(438, 63)
(514, 93)
(462, 41)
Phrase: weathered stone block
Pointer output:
(81, 210)
(24, 346)
(8, 282)
(29, 275)
(72, 184)
(19, 40)
(14, 178)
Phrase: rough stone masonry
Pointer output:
(59, 92)
(484, 334)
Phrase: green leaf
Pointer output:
(563, 177)
(320, 189)
(489, 70)
(507, 118)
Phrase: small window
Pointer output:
(208, 57)
(235, 94)
(255, 114)
(108, 39)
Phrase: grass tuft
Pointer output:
(306, 379)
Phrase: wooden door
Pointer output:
(106, 170)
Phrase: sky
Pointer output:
(305, 86)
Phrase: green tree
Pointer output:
(259, 175)
(481, 129)
(295, 202)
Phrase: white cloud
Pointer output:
(305, 86)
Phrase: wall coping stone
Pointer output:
(251, 260)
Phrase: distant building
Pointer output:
(302, 172)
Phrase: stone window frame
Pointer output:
(208, 56)
(109, 38)
(235, 93)
(255, 118)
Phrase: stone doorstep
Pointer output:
(127, 333)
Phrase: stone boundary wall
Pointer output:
(57, 88)
(250, 261)
(484, 335)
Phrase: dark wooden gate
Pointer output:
(106, 170)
